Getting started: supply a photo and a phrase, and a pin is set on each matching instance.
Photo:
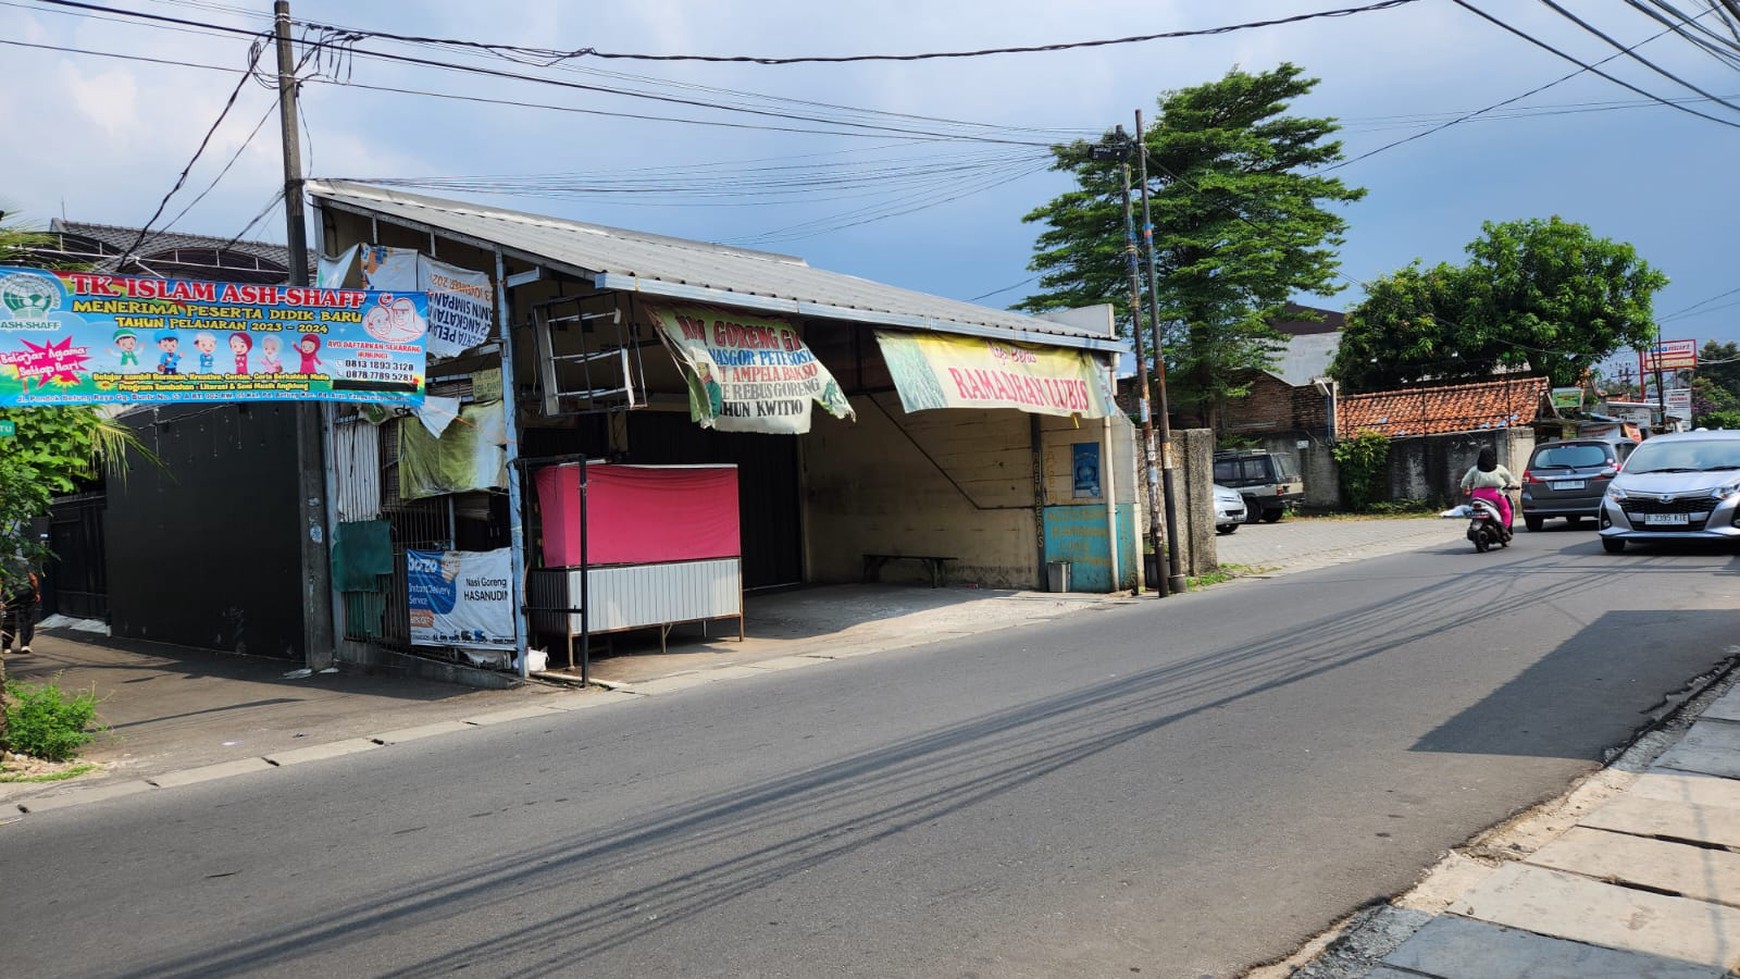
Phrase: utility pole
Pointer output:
(1660, 392)
(1178, 581)
(310, 467)
(1151, 467)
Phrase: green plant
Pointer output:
(43, 722)
(1400, 508)
(1719, 419)
(1239, 442)
(1363, 461)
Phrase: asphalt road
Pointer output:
(1180, 788)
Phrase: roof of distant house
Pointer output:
(660, 266)
(168, 254)
(1506, 403)
(1306, 357)
(1300, 320)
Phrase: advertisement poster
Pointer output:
(90, 338)
(936, 371)
(747, 373)
(1086, 459)
(461, 302)
(460, 598)
(1669, 355)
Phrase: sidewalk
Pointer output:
(1634, 873)
(175, 715)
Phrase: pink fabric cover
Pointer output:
(640, 514)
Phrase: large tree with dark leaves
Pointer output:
(1548, 297)
(1241, 225)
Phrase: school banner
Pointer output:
(747, 373)
(937, 371)
(460, 598)
(461, 302)
(89, 338)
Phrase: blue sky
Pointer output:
(104, 139)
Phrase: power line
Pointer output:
(1631, 52)
(1682, 313)
(248, 72)
(1464, 4)
(550, 56)
(1499, 105)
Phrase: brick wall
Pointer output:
(1273, 405)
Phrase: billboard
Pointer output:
(92, 338)
(1669, 355)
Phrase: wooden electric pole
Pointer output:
(310, 466)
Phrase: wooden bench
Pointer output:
(873, 565)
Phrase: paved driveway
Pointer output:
(1295, 544)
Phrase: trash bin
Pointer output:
(1057, 576)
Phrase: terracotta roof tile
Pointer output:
(1507, 403)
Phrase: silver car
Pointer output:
(1683, 486)
(1229, 509)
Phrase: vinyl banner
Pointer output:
(89, 338)
(461, 598)
(747, 373)
(461, 302)
(936, 371)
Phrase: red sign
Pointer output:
(1669, 355)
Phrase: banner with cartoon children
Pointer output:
(91, 338)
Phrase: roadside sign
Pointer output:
(1669, 355)
(8, 429)
(1679, 403)
(1568, 397)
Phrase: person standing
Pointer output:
(23, 596)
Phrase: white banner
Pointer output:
(461, 598)
(461, 302)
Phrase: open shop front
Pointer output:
(654, 366)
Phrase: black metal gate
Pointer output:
(76, 581)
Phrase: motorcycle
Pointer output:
(1486, 527)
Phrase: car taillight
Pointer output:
(1529, 477)
(1608, 473)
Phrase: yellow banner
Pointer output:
(939, 371)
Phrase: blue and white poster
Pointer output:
(461, 598)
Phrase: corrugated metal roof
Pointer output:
(160, 247)
(678, 268)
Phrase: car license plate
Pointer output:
(1570, 484)
(1669, 519)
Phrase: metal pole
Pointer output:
(1178, 581)
(1660, 392)
(516, 506)
(1151, 469)
(317, 645)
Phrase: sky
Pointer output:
(913, 173)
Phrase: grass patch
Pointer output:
(1226, 572)
(59, 775)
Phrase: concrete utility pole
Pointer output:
(1151, 467)
(1177, 582)
(310, 466)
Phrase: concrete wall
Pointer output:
(1193, 495)
(1429, 467)
(954, 483)
(1315, 460)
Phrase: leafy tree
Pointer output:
(53, 450)
(1239, 226)
(1547, 296)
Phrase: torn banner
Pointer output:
(747, 373)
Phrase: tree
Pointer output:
(51, 451)
(1546, 297)
(1239, 227)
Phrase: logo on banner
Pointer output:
(29, 299)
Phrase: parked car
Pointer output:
(1682, 486)
(1568, 478)
(1229, 509)
(1269, 481)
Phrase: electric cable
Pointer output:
(1631, 52)
(1464, 4)
(145, 229)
